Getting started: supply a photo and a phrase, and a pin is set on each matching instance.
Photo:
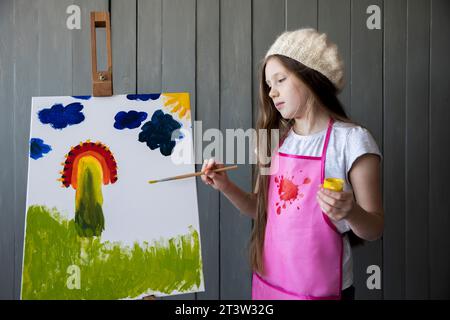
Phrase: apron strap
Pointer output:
(324, 151)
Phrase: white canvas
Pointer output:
(135, 212)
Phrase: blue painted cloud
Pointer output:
(38, 148)
(131, 119)
(157, 132)
(60, 117)
(143, 97)
(82, 97)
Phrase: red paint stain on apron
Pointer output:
(288, 192)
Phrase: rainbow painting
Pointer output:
(95, 228)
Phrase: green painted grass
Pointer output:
(107, 270)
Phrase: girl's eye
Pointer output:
(281, 80)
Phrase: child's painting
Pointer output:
(95, 228)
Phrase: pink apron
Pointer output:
(302, 247)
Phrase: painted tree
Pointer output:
(87, 168)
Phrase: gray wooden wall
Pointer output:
(397, 86)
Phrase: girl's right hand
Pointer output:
(217, 180)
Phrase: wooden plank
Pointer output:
(81, 45)
(54, 59)
(334, 20)
(178, 57)
(264, 34)
(55, 49)
(367, 109)
(123, 29)
(301, 14)
(149, 46)
(417, 91)
(26, 85)
(439, 201)
(46, 72)
(7, 204)
(235, 112)
(43, 67)
(208, 102)
(394, 123)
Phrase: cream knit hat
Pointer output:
(314, 50)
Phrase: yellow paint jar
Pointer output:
(335, 184)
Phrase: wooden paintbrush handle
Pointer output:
(222, 169)
(195, 174)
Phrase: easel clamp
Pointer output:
(101, 80)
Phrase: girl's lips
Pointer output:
(279, 105)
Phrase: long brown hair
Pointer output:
(323, 92)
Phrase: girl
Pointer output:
(300, 246)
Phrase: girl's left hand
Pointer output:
(337, 205)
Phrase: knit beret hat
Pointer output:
(314, 50)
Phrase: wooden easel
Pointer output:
(101, 80)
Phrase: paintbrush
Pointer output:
(195, 174)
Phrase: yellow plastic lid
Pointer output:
(335, 184)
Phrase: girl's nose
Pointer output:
(273, 93)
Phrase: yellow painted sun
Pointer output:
(178, 103)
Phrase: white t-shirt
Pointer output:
(347, 143)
